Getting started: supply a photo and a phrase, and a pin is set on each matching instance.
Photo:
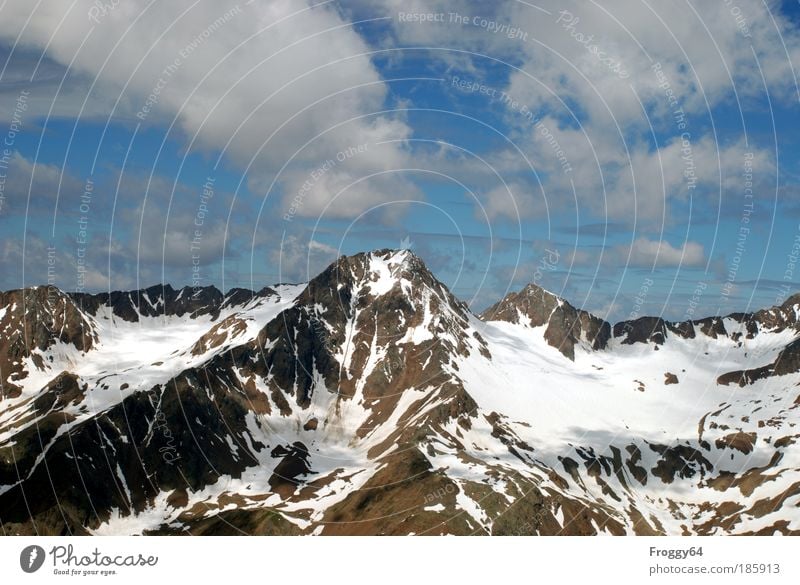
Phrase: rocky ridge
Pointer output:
(371, 401)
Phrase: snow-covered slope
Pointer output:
(371, 401)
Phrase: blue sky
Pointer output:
(634, 158)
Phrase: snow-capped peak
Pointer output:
(371, 389)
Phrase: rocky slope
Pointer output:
(371, 401)
(564, 325)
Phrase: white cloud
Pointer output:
(630, 180)
(702, 50)
(515, 202)
(299, 259)
(352, 179)
(39, 182)
(50, 89)
(57, 263)
(601, 121)
(658, 253)
(240, 77)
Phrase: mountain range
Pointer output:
(371, 400)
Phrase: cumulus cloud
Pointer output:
(50, 89)
(56, 262)
(589, 74)
(352, 180)
(158, 230)
(514, 202)
(259, 81)
(35, 186)
(705, 54)
(632, 181)
(300, 259)
(647, 253)
(281, 88)
(704, 49)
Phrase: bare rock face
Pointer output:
(747, 325)
(155, 301)
(787, 362)
(292, 467)
(32, 321)
(642, 330)
(652, 330)
(532, 303)
(40, 316)
(712, 327)
(565, 325)
(154, 442)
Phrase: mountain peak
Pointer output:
(32, 320)
(791, 302)
(373, 314)
(395, 261)
(376, 274)
(565, 325)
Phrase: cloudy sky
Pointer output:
(635, 157)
